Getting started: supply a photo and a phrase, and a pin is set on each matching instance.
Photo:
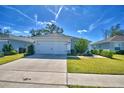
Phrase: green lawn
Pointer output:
(76, 86)
(10, 58)
(97, 65)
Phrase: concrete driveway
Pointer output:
(37, 69)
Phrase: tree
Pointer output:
(7, 32)
(33, 32)
(50, 28)
(60, 30)
(113, 31)
(116, 30)
(81, 46)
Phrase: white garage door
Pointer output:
(51, 48)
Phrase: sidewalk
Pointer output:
(96, 80)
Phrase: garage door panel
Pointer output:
(50, 48)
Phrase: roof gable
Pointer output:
(111, 39)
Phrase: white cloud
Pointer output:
(7, 27)
(43, 23)
(81, 31)
(16, 32)
(40, 22)
(27, 32)
(53, 21)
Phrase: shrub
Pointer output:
(7, 48)
(107, 53)
(12, 52)
(100, 51)
(22, 50)
(97, 52)
(30, 50)
(92, 51)
(1, 54)
(120, 52)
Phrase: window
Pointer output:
(117, 48)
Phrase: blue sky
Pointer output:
(80, 21)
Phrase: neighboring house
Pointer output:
(53, 43)
(112, 43)
(16, 41)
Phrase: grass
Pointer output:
(77, 86)
(97, 65)
(10, 58)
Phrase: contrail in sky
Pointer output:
(58, 13)
(20, 12)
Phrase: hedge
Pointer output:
(120, 52)
(105, 53)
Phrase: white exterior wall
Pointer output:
(109, 46)
(52, 45)
(117, 44)
(18, 44)
(101, 46)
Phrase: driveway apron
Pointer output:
(36, 69)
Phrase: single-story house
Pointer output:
(54, 43)
(16, 41)
(112, 43)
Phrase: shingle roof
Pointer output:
(12, 37)
(31, 39)
(114, 38)
(56, 35)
